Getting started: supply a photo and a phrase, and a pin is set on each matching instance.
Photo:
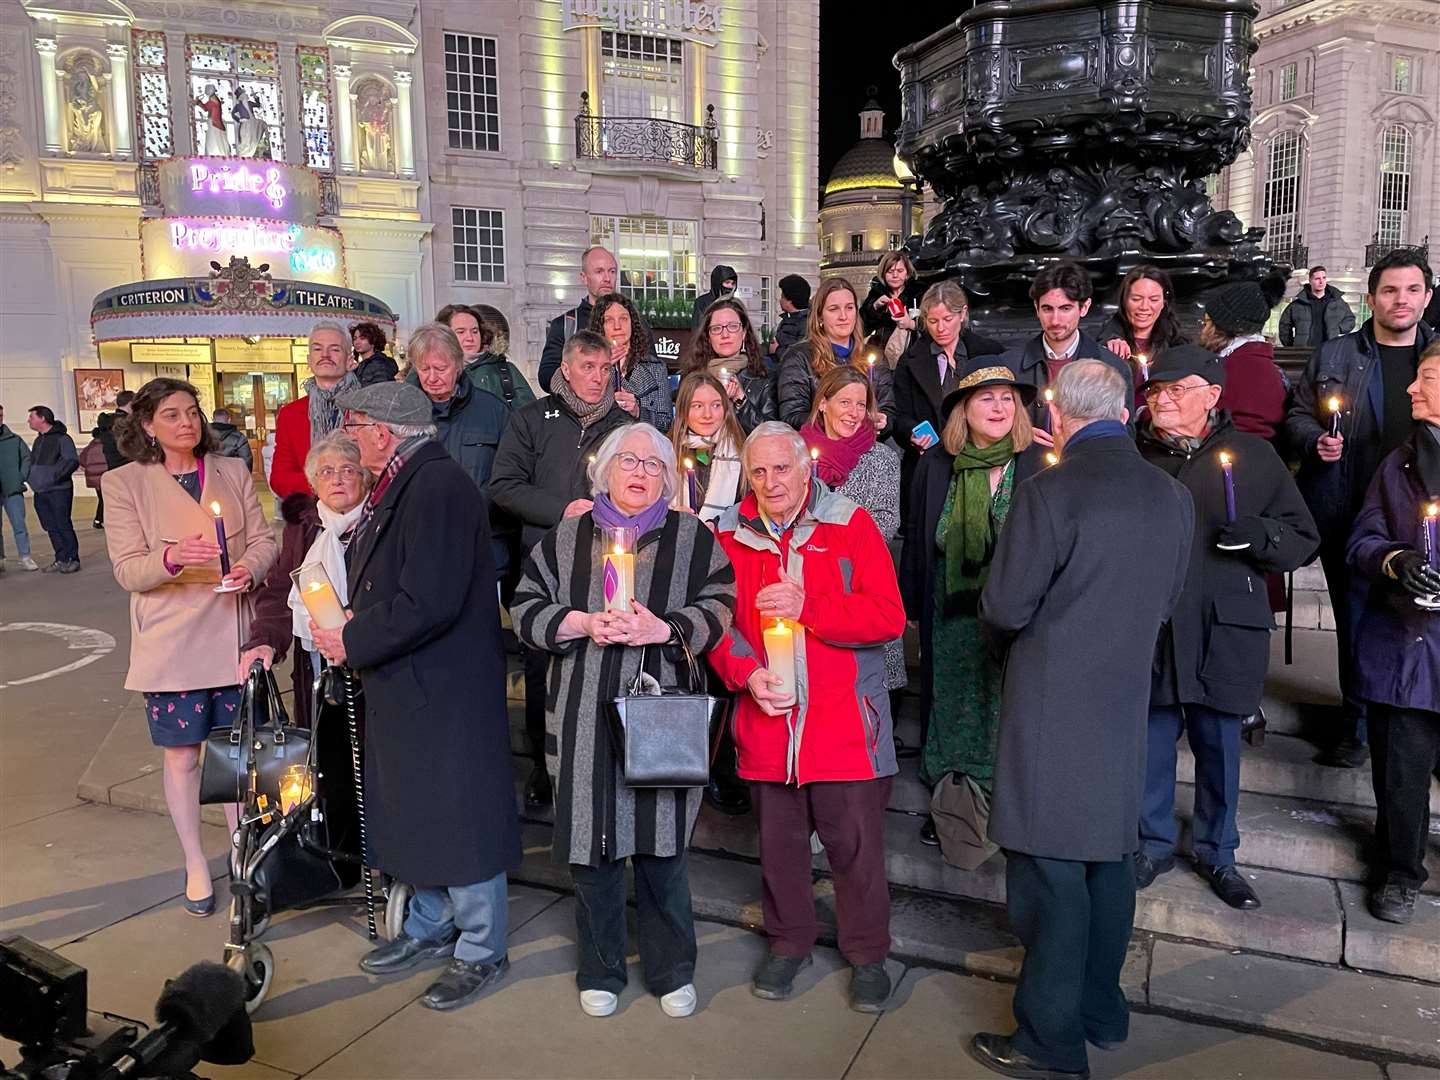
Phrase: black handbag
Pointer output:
(662, 737)
(262, 735)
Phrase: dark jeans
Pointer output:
(1215, 742)
(1347, 599)
(537, 665)
(53, 510)
(666, 925)
(850, 818)
(1074, 919)
(1404, 751)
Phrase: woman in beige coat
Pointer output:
(184, 635)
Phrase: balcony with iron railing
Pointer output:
(851, 258)
(1295, 255)
(646, 140)
(1377, 250)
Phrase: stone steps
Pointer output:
(1235, 984)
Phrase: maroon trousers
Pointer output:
(849, 816)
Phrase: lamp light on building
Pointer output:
(909, 188)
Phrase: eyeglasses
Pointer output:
(629, 463)
(345, 472)
(351, 425)
(1174, 391)
(725, 329)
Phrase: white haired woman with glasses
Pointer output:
(559, 608)
(316, 530)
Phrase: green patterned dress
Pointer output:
(965, 714)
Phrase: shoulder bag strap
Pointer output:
(697, 685)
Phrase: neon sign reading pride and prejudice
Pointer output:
(239, 181)
(251, 238)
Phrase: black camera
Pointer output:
(201, 1017)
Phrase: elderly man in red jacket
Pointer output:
(813, 734)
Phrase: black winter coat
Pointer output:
(918, 394)
(540, 464)
(425, 641)
(104, 432)
(1030, 367)
(928, 489)
(469, 426)
(1215, 649)
(795, 384)
(1301, 316)
(1348, 367)
(790, 330)
(1087, 569)
(377, 368)
(556, 336)
(879, 324)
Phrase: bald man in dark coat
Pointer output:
(1088, 567)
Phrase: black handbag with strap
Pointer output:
(662, 734)
(263, 735)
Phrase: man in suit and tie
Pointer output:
(1088, 568)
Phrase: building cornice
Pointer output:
(1295, 16)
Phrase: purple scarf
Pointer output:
(609, 516)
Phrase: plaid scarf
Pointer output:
(324, 412)
(403, 453)
(585, 412)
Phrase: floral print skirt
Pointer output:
(185, 717)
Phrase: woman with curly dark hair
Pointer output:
(725, 345)
(641, 379)
(188, 597)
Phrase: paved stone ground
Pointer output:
(101, 883)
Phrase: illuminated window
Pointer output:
(644, 76)
(1400, 74)
(857, 241)
(764, 316)
(1394, 211)
(657, 257)
(246, 76)
(314, 68)
(478, 238)
(1282, 190)
(152, 96)
(472, 93)
(893, 241)
(1288, 80)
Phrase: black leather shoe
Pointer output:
(462, 983)
(1148, 869)
(774, 979)
(1230, 885)
(1346, 754)
(538, 792)
(997, 1055)
(1393, 903)
(928, 836)
(1252, 728)
(404, 953)
(869, 988)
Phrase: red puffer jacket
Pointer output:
(840, 728)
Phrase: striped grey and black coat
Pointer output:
(681, 574)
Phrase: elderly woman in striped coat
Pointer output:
(684, 588)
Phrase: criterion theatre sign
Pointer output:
(686, 19)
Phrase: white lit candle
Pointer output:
(780, 658)
(1144, 362)
(617, 585)
(318, 595)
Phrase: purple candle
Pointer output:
(220, 539)
(1227, 469)
(1428, 534)
(814, 463)
(693, 484)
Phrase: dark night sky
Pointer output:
(855, 53)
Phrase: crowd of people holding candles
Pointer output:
(1087, 532)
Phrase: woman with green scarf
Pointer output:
(959, 500)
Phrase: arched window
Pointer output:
(1393, 214)
(1282, 190)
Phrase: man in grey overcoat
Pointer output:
(1089, 566)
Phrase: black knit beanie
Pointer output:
(1243, 308)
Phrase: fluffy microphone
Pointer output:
(203, 1002)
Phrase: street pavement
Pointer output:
(102, 883)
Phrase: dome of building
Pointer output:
(870, 162)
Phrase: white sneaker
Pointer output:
(598, 1002)
(27, 563)
(679, 1002)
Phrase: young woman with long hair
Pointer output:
(725, 345)
(642, 382)
(832, 339)
(707, 433)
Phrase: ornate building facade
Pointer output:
(1342, 165)
(680, 136)
(865, 206)
(143, 140)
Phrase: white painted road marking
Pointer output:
(97, 642)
